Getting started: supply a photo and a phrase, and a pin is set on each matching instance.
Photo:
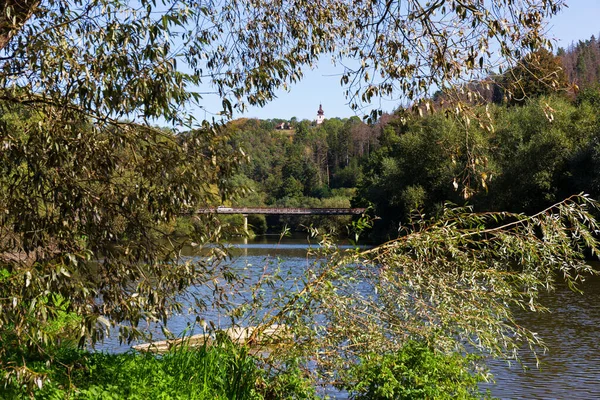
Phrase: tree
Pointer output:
(419, 166)
(581, 62)
(450, 282)
(539, 73)
(86, 195)
(114, 58)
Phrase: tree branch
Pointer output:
(15, 13)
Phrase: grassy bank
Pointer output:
(227, 371)
(215, 372)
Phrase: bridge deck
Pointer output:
(281, 211)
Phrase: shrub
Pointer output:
(415, 372)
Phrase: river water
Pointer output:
(569, 369)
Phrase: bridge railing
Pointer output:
(281, 211)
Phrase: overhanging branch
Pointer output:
(15, 14)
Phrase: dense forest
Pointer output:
(304, 166)
(581, 62)
(541, 149)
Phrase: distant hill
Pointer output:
(576, 67)
(581, 62)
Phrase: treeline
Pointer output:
(535, 155)
(581, 62)
(303, 166)
(528, 157)
(543, 146)
(570, 70)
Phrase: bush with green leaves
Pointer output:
(289, 380)
(414, 372)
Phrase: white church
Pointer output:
(320, 115)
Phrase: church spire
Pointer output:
(320, 115)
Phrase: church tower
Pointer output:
(320, 115)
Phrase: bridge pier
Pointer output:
(245, 223)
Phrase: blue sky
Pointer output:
(322, 85)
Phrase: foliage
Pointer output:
(115, 58)
(208, 372)
(57, 333)
(423, 162)
(414, 372)
(450, 283)
(534, 146)
(539, 73)
(86, 197)
(85, 215)
(536, 155)
(287, 381)
(590, 95)
(289, 171)
(329, 224)
(222, 370)
(581, 61)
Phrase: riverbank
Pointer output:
(228, 371)
(224, 371)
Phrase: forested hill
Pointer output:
(581, 62)
(301, 165)
(543, 148)
(405, 162)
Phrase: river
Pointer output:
(569, 369)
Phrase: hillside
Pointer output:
(581, 62)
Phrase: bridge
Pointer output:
(281, 211)
(245, 211)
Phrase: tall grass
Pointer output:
(225, 371)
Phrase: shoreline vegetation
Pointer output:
(225, 370)
(550, 158)
(417, 369)
(535, 161)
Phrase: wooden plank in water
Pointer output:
(240, 335)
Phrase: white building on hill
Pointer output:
(320, 115)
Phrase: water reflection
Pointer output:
(251, 259)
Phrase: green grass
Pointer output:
(227, 371)
(220, 372)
